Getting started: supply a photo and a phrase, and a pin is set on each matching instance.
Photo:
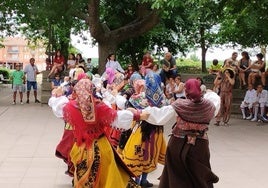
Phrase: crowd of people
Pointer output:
(114, 122)
(246, 70)
(251, 75)
(114, 125)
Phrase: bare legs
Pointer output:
(35, 97)
(15, 96)
(242, 79)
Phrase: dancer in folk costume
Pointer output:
(115, 82)
(146, 146)
(187, 157)
(96, 164)
(61, 96)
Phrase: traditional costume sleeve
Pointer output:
(215, 99)
(123, 120)
(165, 115)
(57, 104)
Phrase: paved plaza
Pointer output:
(30, 132)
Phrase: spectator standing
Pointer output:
(217, 83)
(31, 71)
(169, 67)
(226, 86)
(18, 81)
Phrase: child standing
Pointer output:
(18, 81)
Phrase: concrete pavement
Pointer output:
(29, 134)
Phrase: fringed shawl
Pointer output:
(196, 112)
(154, 92)
(86, 132)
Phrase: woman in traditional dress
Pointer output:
(96, 164)
(187, 161)
(146, 146)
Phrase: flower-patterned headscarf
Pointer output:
(138, 100)
(85, 100)
(154, 92)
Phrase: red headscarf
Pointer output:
(88, 117)
(193, 90)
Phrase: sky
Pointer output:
(221, 54)
(86, 48)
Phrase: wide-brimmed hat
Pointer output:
(231, 71)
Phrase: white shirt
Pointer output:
(251, 96)
(263, 96)
(182, 93)
(30, 72)
(115, 65)
(123, 120)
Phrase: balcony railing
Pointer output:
(11, 51)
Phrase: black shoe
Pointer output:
(146, 184)
(27, 101)
(37, 101)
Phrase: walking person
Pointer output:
(31, 71)
(18, 81)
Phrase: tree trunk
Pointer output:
(203, 56)
(105, 48)
(203, 49)
(144, 22)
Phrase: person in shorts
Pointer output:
(31, 71)
(18, 81)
